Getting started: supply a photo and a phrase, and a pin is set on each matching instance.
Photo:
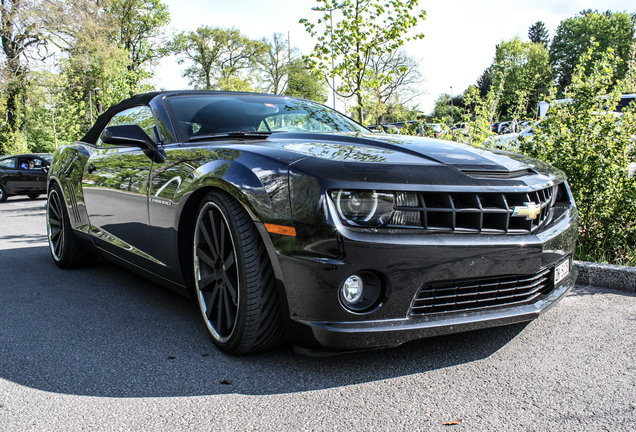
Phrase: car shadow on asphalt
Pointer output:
(26, 238)
(103, 331)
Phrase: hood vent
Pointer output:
(500, 174)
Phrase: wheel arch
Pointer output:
(186, 224)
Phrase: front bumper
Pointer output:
(360, 335)
(311, 281)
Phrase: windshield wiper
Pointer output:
(232, 134)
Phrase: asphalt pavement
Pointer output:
(101, 349)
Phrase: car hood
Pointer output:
(405, 150)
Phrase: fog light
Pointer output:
(352, 290)
(362, 292)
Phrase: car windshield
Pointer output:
(202, 115)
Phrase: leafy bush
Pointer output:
(594, 146)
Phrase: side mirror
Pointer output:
(133, 135)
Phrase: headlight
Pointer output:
(363, 207)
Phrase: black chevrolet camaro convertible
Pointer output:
(286, 220)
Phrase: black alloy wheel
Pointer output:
(233, 275)
(65, 250)
(3, 194)
(55, 224)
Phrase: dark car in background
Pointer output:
(24, 174)
(286, 220)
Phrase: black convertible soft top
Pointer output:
(92, 135)
(141, 99)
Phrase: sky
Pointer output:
(459, 35)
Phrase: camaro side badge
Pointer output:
(529, 210)
(160, 201)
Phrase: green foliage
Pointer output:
(305, 83)
(367, 29)
(443, 108)
(218, 57)
(484, 109)
(19, 33)
(592, 145)
(539, 34)
(140, 26)
(573, 38)
(274, 65)
(109, 46)
(525, 71)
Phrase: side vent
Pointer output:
(73, 199)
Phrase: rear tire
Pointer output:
(65, 250)
(234, 281)
(33, 196)
(3, 195)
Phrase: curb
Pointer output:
(606, 276)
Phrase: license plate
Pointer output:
(561, 271)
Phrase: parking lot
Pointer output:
(100, 348)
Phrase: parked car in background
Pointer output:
(24, 174)
(390, 128)
(435, 130)
(284, 219)
(414, 124)
(624, 101)
(509, 141)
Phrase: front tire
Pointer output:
(234, 281)
(33, 196)
(3, 195)
(65, 250)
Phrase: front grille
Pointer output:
(481, 293)
(470, 212)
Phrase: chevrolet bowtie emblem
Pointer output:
(529, 210)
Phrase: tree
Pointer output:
(484, 83)
(218, 57)
(85, 33)
(274, 65)
(392, 95)
(443, 107)
(539, 34)
(524, 68)
(574, 36)
(304, 82)
(585, 139)
(367, 29)
(20, 34)
(139, 25)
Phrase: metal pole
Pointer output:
(333, 77)
(452, 113)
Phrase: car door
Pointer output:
(9, 174)
(115, 188)
(31, 179)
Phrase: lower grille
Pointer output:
(481, 294)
